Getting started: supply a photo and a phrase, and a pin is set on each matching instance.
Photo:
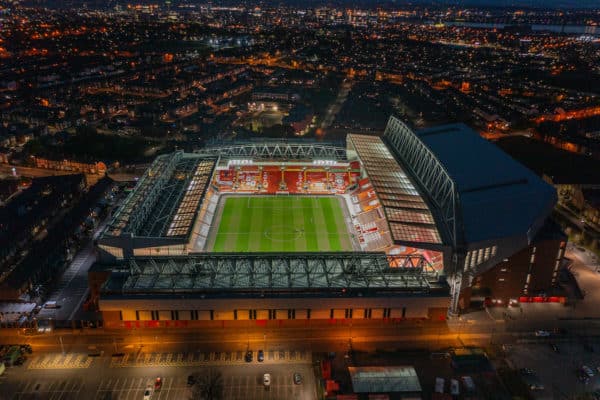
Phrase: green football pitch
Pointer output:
(281, 224)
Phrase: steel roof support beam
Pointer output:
(273, 272)
(277, 150)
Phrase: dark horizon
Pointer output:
(507, 4)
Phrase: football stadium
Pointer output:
(384, 227)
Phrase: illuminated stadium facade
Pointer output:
(387, 227)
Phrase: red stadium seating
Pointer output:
(297, 179)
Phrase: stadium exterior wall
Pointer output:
(118, 311)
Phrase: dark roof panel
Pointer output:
(498, 196)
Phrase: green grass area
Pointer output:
(282, 224)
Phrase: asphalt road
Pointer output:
(318, 337)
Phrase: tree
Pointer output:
(208, 385)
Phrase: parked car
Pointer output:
(533, 382)
(267, 380)
(468, 383)
(542, 333)
(297, 378)
(158, 383)
(526, 371)
(554, 348)
(440, 383)
(248, 356)
(454, 387)
(191, 380)
(51, 304)
(148, 393)
(261, 356)
(582, 376)
(587, 370)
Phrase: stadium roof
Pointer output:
(407, 213)
(479, 192)
(276, 149)
(166, 199)
(384, 379)
(498, 196)
(271, 272)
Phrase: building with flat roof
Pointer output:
(388, 379)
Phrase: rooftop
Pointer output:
(498, 197)
(166, 199)
(384, 379)
(408, 214)
(245, 274)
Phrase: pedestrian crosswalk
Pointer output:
(206, 358)
(60, 361)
